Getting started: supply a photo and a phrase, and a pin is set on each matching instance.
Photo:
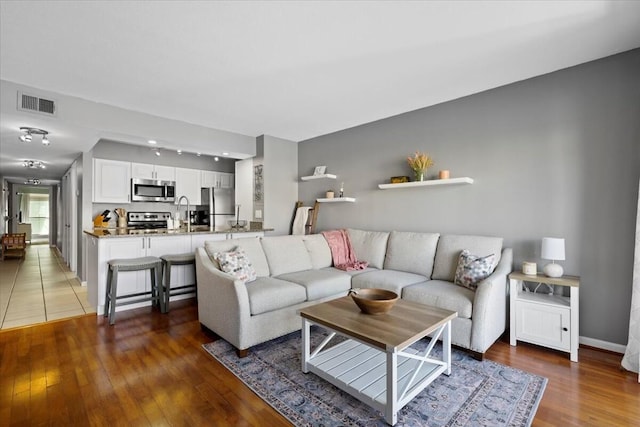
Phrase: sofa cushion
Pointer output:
(370, 246)
(450, 246)
(411, 252)
(352, 272)
(319, 250)
(442, 294)
(237, 264)
(391, 280)
(472, 269)
(268, 294)
(286, 254)
(320, 283)
(250, 245)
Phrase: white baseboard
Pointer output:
(605, 345)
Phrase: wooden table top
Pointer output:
(401, 326)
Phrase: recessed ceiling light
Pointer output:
(198, 154)
(152, 141)
(45, 141)
(179, 152)
(224, 153)
(216, 158)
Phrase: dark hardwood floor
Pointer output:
(150, 369)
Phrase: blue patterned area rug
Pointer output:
(475, 394)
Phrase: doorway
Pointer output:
(31, 213)
(34, 217)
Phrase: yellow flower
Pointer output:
(420, 161)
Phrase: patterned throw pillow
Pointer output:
(237, 264)
(472, 269)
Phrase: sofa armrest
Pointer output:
(490, 305)
(223, 302)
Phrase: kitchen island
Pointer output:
(104, 244)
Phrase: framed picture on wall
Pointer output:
(320, 170)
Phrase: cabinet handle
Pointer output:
(565, 329)
(149, 242)
(143, 243)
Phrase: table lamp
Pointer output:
(553, 249)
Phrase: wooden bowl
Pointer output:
(374, 301)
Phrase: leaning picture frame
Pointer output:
(319, 170)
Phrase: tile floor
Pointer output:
(39, 288)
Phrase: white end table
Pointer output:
(544, 319)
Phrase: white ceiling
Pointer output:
(290, 69)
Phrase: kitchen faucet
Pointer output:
(187, 215)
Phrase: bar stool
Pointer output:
(151, 263)
(167, 262)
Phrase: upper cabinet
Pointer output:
(188, 183)
(217, 179)
(157, 172)
(111, 181)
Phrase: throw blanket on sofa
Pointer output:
(341, 251)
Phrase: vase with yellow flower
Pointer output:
(419, 163)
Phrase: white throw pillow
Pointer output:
(472, 269)
(237, 264)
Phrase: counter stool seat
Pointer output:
(151, 263)
(168, 261)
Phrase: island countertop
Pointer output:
(128, 232)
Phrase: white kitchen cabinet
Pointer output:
(226, 180)
(217, 179)
(188, 183)
(156, 172)
(111, 181)
(209, 178)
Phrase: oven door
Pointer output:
(148, 190)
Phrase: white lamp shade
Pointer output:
(552, 248)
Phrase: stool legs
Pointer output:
(167, 284)
(113, 290)
(107, 297)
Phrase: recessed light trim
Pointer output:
(152, 141)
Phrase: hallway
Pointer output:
(39, 288)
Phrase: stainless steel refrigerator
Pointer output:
(221, 203)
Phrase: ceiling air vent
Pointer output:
(36, 104)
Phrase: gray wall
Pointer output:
(557, 155)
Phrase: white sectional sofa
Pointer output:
(296, 271)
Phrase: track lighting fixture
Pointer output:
(28, 133)
(33, 164)
(32, 181)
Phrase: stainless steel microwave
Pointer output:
(151, 190)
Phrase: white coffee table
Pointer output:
(376, 364)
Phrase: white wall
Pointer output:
(280, 182)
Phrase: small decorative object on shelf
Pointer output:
(529, 268)
(398, 179)
(341, 189)
(320, 170)
(444, 174)
(419, 163)
(329, 194)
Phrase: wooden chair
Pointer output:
(14, 245)
(310, 226)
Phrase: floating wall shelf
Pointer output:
(324, 175)
(450, 181)
(337, 200)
